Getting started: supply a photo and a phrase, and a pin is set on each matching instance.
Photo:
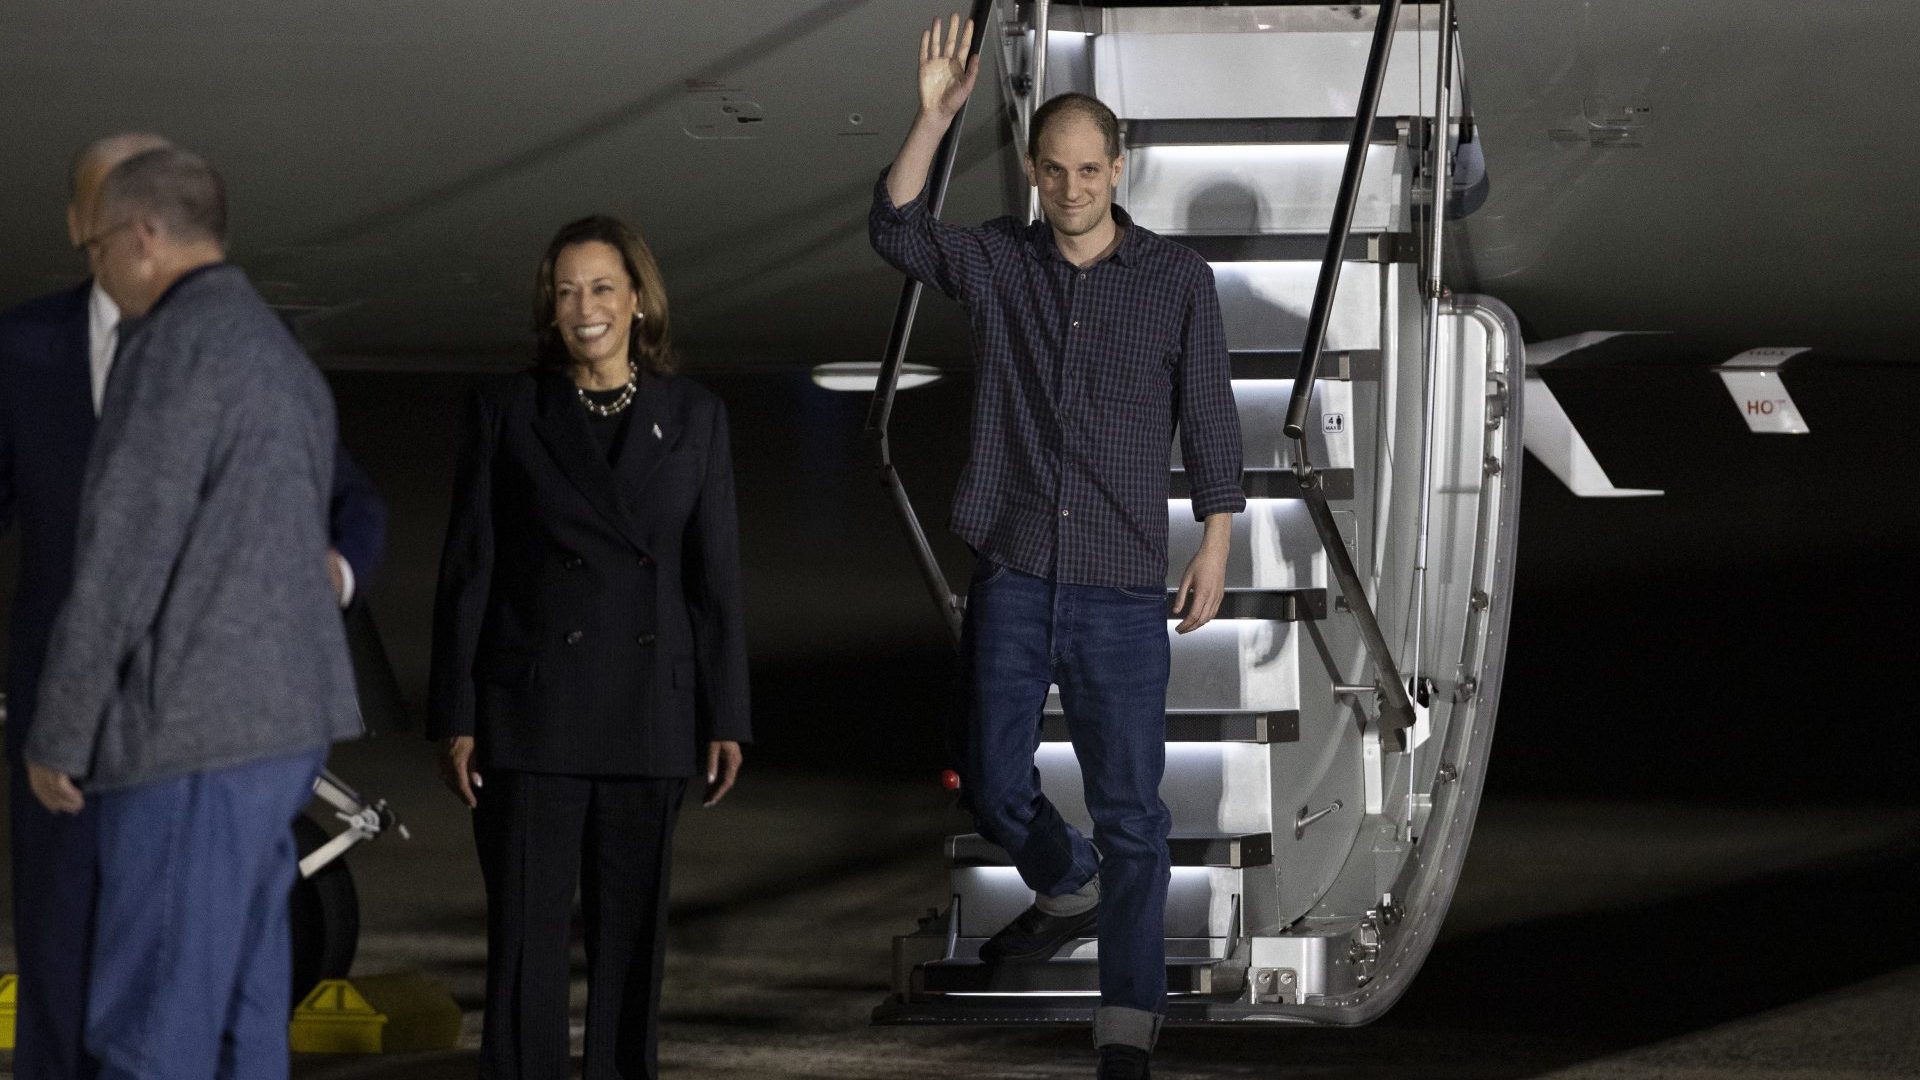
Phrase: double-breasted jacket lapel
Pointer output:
(562, 427)
(650, 435)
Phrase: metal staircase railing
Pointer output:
(1439, 136)
(880, 412)
(1396, 707)
(1397, 711)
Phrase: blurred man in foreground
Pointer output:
(198, 670)
(56, 352)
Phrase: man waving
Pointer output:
(1094, 339)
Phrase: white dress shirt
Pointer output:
(103, 335)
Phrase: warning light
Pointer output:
(949, 779)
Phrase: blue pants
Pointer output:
(1107, 650)
(54, 878)
(191, 958)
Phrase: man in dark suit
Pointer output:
(55, 354)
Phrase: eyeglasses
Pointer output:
(92, 245)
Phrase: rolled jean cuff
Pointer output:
(1116, 1025)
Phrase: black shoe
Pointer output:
(1123, 1063)
(1035, 935)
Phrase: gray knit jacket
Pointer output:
(202, 630)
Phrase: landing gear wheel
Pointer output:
(324, 913)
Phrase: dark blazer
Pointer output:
(589, 617)
(46, 432)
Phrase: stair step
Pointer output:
(1278, 364)
(1210, 789)
(1201, 900)
(1273, 605)
(1257, 63)
(1273, 484)
(1262, 188)
(1196, 725)
(1265, 304)
(1225, 852)
(1299, 247)
(1185, 975)
(1185, 949)
(1242, 131)
(1305, 4)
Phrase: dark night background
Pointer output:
(1695, 857)
(1745, 638)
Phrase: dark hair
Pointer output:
(1074, 104)
(172, 187)
(649, 345)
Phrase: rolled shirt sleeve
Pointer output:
(951, 258)
(1209, 421)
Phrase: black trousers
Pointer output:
(539, 834)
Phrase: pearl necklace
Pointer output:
(617, 405)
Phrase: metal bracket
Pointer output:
(363, 820)
(1274, 986)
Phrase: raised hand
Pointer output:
(946, 73)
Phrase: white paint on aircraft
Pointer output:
(1771, 359)
(1753, 378)
(1542, 353)
(1553, 439)
(1764, 402)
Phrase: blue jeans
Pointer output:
(1107, 650)
(191, 956)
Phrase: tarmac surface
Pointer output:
(1588, 940)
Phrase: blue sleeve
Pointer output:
(358, 519)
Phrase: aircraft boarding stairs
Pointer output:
(1312, 855)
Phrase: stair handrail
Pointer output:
(1439, 135)
(880, 411)
(1036, 93)
(1396, 707)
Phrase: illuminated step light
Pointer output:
(1199, 874)
(864, 376)
(1022, 994)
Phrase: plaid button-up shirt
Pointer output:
(1081, 375)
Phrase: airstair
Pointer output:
(1328, 732)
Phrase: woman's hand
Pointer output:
(723, 767)
(456, 768)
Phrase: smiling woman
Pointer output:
(589, 649)
(599, 297)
